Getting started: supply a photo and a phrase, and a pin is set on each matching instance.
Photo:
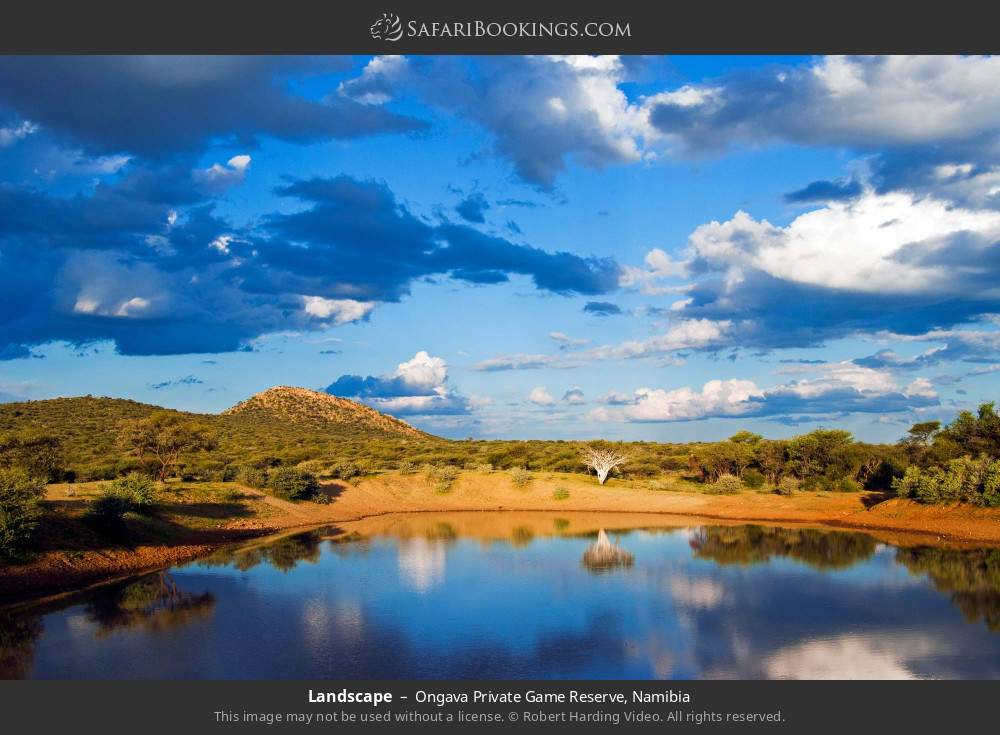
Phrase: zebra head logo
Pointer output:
(387, 28)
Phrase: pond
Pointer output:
(531, 595)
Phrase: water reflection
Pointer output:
(530, 596)
(283, 554)
(971, 577)
(604, 556)
(154, 602)
(745, 545)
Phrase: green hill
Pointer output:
(281, 425)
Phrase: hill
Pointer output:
(278, 426)
(301, 406)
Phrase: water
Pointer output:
(510, 595)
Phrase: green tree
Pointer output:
(20, 494)
(165, 437)
(39, 454)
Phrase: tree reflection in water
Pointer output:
(283, 554)
(18, 634)
(154, 602)
(746, 545)
(604, 556)
(971, 577)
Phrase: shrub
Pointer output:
(787, 486)
(726, 485)
(443, 478)
(252, 476)
(484, 467)
(291, 483)
(345, 470)
(19, 511)
(520, 476)
(847, 485)
(406, 467)
(753, 479)
(111, 506)
(138, 488)
(560, 493)
(906, 486)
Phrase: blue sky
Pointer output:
(636, 248)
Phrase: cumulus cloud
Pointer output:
(218, 178)
(153, 106)
(378, 80)
(337, 311)
(542, 112)
(882, 262)
(574, 396)
(417, 387)
(541, 397)
(835, 388)
(144, 261)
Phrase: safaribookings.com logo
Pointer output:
(390, 28)
(387, 28)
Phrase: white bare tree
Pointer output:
(602, 461)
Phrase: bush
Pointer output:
(787, 486)
(138, 488)
(252, 476)
(520, 476)
(345, 471)
(19, 510)
(111, 506)
(847, 485)
(560, 493)
(753, 479)
(291, 483)
(726, 485)
(406, 467)
(443, 477)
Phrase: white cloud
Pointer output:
(541, 397)
(523, 362)
(852, 656)
(683, 335)
(861, 102)
(423, 371)
(882, 243)
(340, 311)
(835, 387)
(716, 398)
(10, 135)
(217, 178)
(660, 266)
(566, 340)
(377, 82)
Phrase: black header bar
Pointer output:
(512, 26)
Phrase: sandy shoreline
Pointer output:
(359, 506)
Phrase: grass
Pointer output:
(560, 493)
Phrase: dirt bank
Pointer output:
(194, 519)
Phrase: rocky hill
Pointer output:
(321, 410)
